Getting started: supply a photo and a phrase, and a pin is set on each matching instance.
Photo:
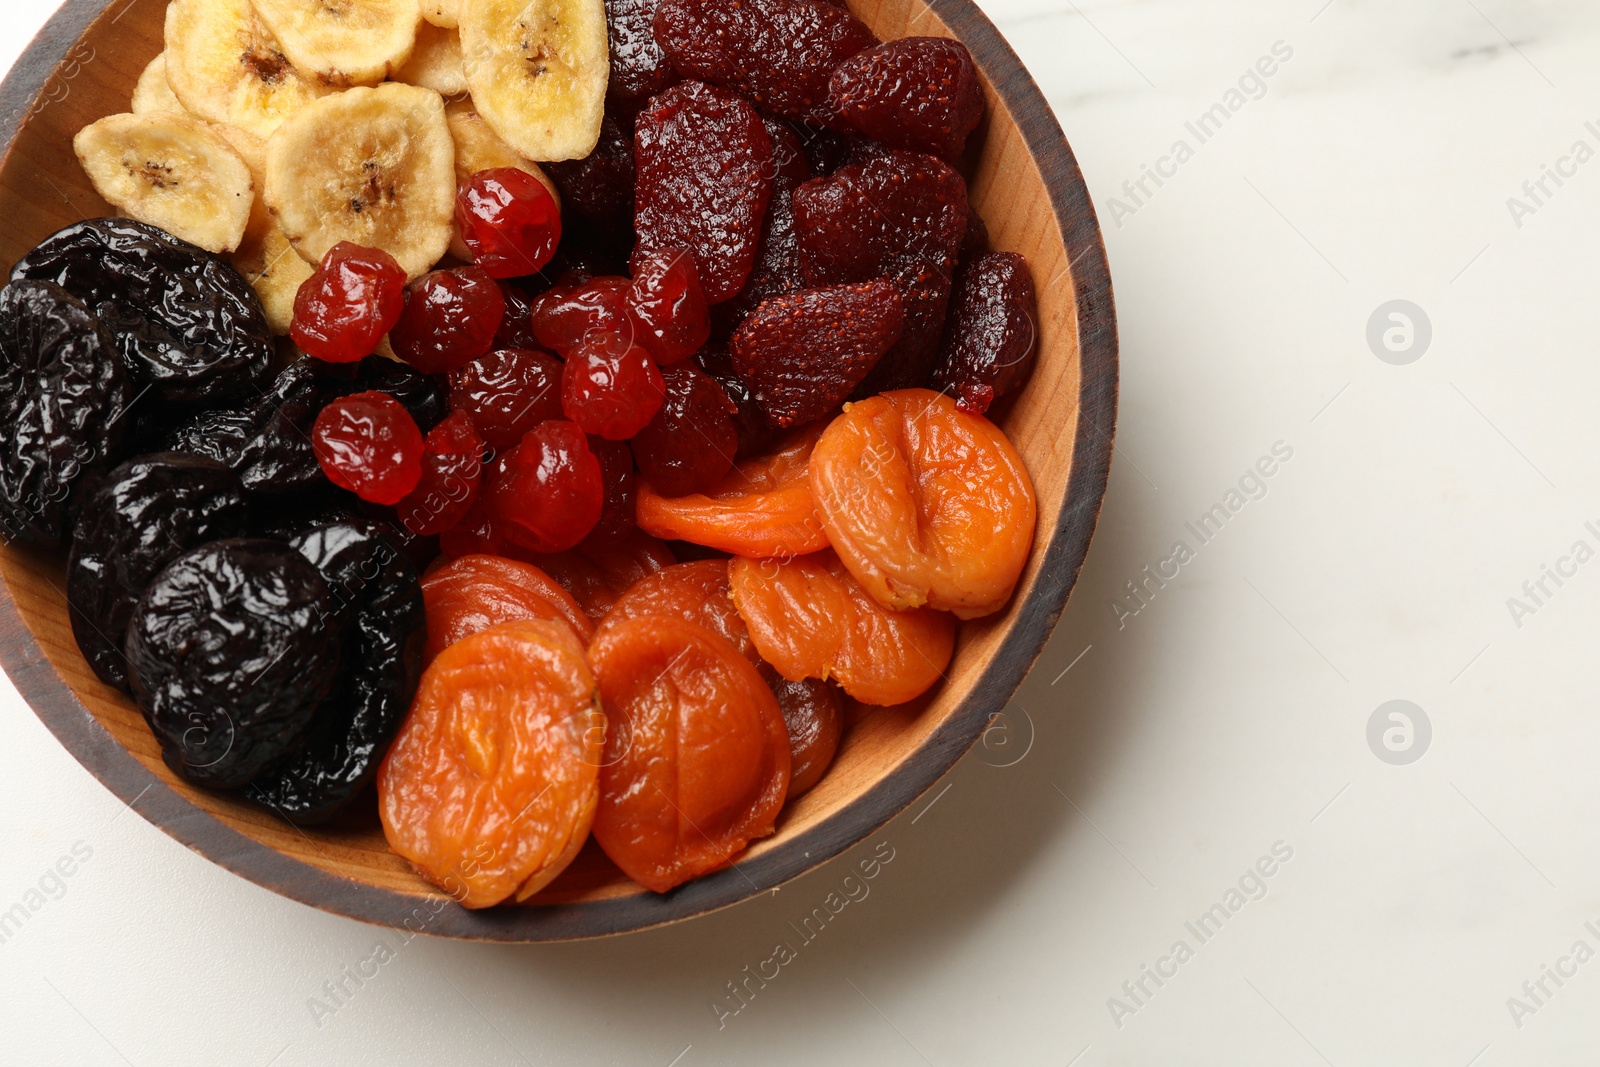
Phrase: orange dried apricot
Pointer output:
(698, 592)
(697, 756)
(493, 782)
(810, 618)
(763, 507)
(472, 593)
(926, 504)
(596, 574)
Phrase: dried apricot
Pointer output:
(810, 618)
(762, 508)
(926, 504)
(699, 592)
(697, 754)
(493, 782)
(471, 594)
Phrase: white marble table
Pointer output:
(1200, 859)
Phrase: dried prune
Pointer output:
(382, 626)
(64, 400)
(780, 53)
(492, 784)
(232, 649)
(690, 443)
(990, 336)
(696, 758)
(639, 67)
(901, 216)
(140, 517)
(599, 187)
(925, 503)
(704, 179)
(777, 266)
(917, 93)
(421, 395)
(803, 353)
(185, 322)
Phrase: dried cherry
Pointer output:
(231, 650)
(571, 313)
(509, 222)
(378, 604)
(991, 334)
(804, 352)
(669, 305)
(185, 322)
(755, 430)
(925, 503)
(704, 176)
(472, 593)
(452, 465)
(352, 299)
(140, 517)
(508, 392)
(918, 93)
(610, 387)
(492, 784)
(546, 494)
(597, 573)
(620, 483)
(450, 318)
(689, 446)
(64, 399)
(696, 760)
(369, 444)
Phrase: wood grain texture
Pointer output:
(1026, 185)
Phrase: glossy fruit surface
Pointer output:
(352, 299)
(546, 494)
(472, 593)
(509, 222)
(369, 444)
(508, 392)
(452, 467)
(450, 318)
(669, 305)
(610, 387)
(690, 443)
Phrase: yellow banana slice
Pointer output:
(224, 66)
(441, 13)
(343, 42)
(436, 62)
(152, 93)
(537, 70)
(253, 150)
(271, 265)
(480, 148)
(171, 171)
(375, 166)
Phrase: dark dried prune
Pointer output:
(777, 266)
(185, 322)
(691, 442)
(63, 402)
(901, 216)
(599, 187)
(991, 336)
(918, 93)
(231, 650)
(780, 53)
(140, 517)
(704, 178)
(639, 68)
(423, 397)
(382, 630)
(804, 353)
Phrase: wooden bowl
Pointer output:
(1026, 185)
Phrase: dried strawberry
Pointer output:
(691, 442)
(639, 67)
(989, 341)
(805, 352)
(917, 93)
(704, 178)
(599, 187)
(777, 268)
(780, 53)
(903, 217)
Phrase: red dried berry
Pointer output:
(516, 325)
(568, 314)
(352, 299)
(777, 266)
(755, 430)
(369, 444)
(452, 464)
(475, 535)
(917, 93)
(779, 53)
(450, 318)
(990, 338)
(902, 216)
(509, 221)
(546, 493)
(599, 187)
(508, 392)
(691, 443)
(704, 178)
(618, 478)
(610, 387)
(804, 353)
(639, 67)
(669, 305)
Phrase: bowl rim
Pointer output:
(54, 702)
